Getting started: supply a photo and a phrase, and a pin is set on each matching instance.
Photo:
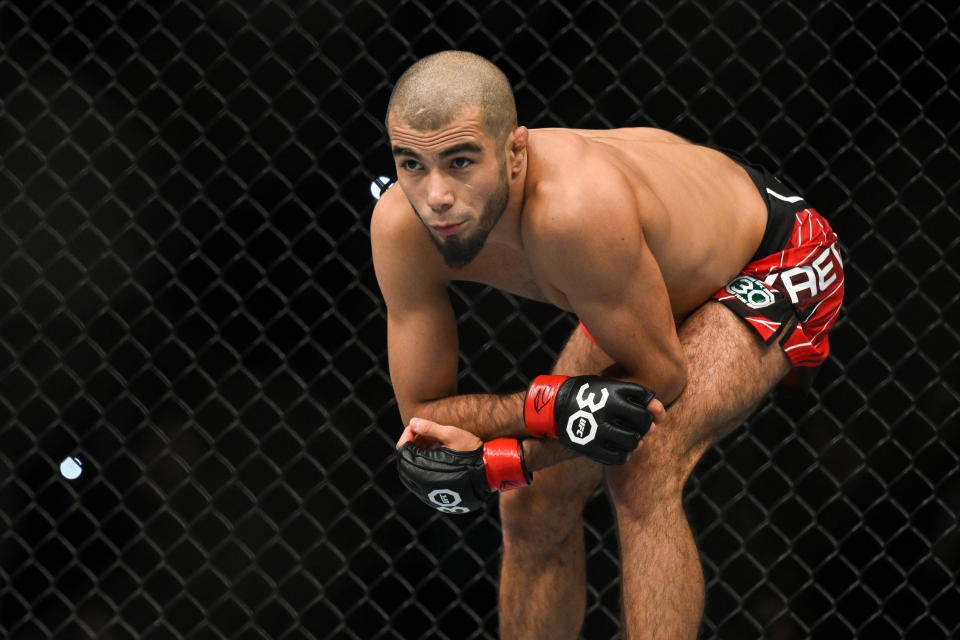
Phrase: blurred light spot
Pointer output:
(71, 468)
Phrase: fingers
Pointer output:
(427, 434)
(656, 408)
(445, 435)
(405, 437)
(410, 434)
(650, 403)
(424, 427)
(618, 439)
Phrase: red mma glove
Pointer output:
(601, 418)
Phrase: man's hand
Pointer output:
(601, 418)
(452, 470)
(430, 435)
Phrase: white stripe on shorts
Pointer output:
(790, 199)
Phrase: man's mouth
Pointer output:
(448, 229)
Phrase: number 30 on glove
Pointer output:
(462, 481)
(600, 418)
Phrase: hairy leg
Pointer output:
(543, 584)
(730, 370)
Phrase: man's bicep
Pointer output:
(622, 300)
(422, 348)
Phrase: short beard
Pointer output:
(459, 251)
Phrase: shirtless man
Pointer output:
(693, 276)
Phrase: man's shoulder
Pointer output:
(400, 244)
(581, 195)
(391, 215)
(624, 134)
(395, 224)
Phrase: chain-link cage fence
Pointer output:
(188, 309)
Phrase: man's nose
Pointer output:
(439, 195)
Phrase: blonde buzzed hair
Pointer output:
(438, 88)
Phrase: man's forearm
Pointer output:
(490, 416)
(540, 453)
(487, 416)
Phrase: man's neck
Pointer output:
(507, 231)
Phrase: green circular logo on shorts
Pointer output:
(750, 292)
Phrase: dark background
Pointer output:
(187, 305)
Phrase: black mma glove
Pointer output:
(603, 419)
(462, 481)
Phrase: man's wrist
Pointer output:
(539, 454)
(503, 461)
(538, 406)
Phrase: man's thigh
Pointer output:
(729, 371)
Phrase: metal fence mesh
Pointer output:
(188, 307)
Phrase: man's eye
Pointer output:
(410, 165)
(461, 163)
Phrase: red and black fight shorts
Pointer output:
(792, 288)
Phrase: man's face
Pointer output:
(456, 180)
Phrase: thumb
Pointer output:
(444, 434)
(405, 437)
(424, 427)
(656, 408)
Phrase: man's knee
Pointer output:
(549, 511)
(653, 476)
(544, 526)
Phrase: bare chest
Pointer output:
(511, 271)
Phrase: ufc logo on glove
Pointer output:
(605, 430)
(582, 418)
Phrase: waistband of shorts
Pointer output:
(780, 214)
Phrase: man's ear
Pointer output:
(517, 150)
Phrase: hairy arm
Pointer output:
(485, 415)
(579, 356)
